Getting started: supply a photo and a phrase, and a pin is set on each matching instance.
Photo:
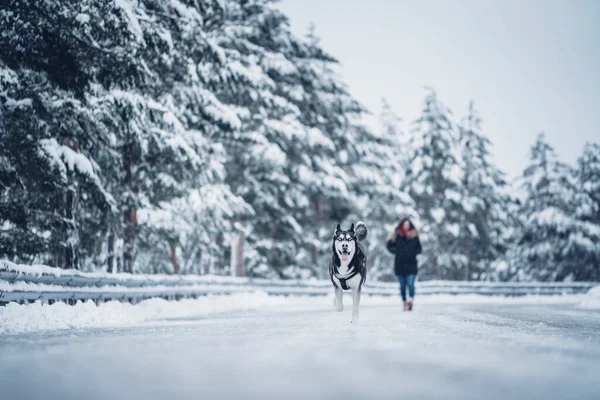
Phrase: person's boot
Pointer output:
(405, 305)
(410, 303)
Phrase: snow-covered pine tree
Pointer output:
(125, 75)
(548, 247)
(181, 237)
(191, 113)
(71, 47)
(378, 197)
(253, 40)
(53, 191)
(588, 212)
(390, 127)
(28, 183)
(376, 171)
(434, 180)
(486, 202)
(326, 160)
(283, 158)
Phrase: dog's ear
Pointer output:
(352, 228)
(337, 229)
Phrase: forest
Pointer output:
(204, 137)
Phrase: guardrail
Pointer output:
(24, 283)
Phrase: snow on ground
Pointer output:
(16, 318)
(260, 347)
(592, 299)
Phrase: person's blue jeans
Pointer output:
(407, 280)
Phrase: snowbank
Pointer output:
(16, 318)
(592, 299)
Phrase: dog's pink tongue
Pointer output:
(344, 257)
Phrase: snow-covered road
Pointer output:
(443, 350)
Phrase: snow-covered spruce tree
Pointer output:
(48, 44)
(283, 157)
(19, 236)
(508, 267)
(129, 69)
(390, 127)
(486, 204)
(51, 190)
(378, 196)
(175, 124)
(376, 171)
(27, 181)
(434, 179)
(588, 212)
(549, 245)
(179, 237)
(329, 156)
(72, 47)
(257, 151)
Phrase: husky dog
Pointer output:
(348, 265)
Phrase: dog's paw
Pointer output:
(338, 306)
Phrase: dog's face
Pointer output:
(344, 243)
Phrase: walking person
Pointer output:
(404, 243)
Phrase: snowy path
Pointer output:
(441, 351)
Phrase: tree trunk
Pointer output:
(440, 272)
(240, 267)
(174, 258)
(130, 157)
(71, 234)
(237, 254)
(206, 263)
(319, 217)
(129, 242)
(440, 269)
(110, 268)
(211, 265)
(71, 251)
(466, 248)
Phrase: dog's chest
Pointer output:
(344, 269)
(352, 283)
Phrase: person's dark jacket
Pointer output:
(406, 249)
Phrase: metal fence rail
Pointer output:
(25, 284)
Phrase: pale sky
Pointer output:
(529, 65)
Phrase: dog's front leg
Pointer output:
(337, 300)
(355, 304)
